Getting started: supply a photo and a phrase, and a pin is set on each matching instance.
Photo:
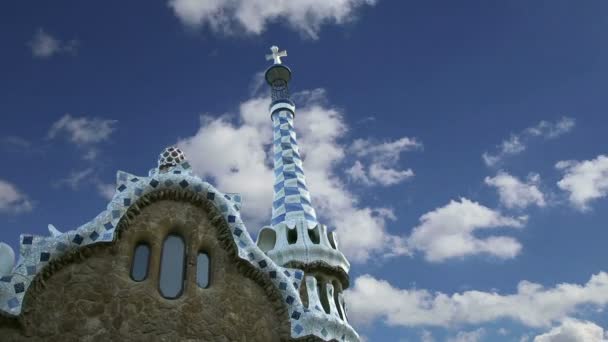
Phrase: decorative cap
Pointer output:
(278, 76)
(170, 157)
(276, 55)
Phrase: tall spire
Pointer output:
(291, 200)
(295, 234)
(295, 238)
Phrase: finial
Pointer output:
(170, 157)
(276, 54)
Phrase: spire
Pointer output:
(291, 200)
(295, 234)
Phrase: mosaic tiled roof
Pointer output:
(37, 251)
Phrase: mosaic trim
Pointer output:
(37, 251)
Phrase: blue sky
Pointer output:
(398, 101)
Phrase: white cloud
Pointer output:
(15, 142)
(7, 259)
(572, 330)
(252, 16)
(357, 173)
(517, 143)
(377, 174)
(76, 179)
(386, 150)
(106, 190)
(585, 181)
(234, 151)
(514, 193)
(448, 232)
(426, 336)
(532, 305)
(552, 130)
(83, 130)
(86, 133)
(12, 200)
(43, 45)
(382, 159)
(387, 176)
(468, 336)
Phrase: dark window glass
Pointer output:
(337, 300)
(172, 267)
(141, 258)
(292, 235)
(202, 270)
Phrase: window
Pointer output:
(292, 235)
(139, 263)
(322, 291)
(202, 270)
(172, 267)
(337, 299)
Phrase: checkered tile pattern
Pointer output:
(291, 196)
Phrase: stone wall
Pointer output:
(91, 297)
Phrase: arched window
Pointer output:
(202, 270)
(292, 235)
(172, 267)
(337, 299)
(322, 291)
(140, 261)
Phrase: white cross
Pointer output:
(276, 54)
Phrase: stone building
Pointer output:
(171, 260)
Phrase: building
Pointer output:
(171, 260)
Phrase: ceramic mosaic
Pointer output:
(36, 251)
(291, 196)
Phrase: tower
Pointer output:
(295, 238)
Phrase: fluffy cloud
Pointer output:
(514, 193)
(252, 16)
(76, 179)
(533, 305)
(86, 133)
(517, 143)
(448, 232)
(426, 336)
(12, 200)
(7, 259)
(584, 181)
(106, 190)
(387, 151)
(43, 45)
(468, 336)
(82, 130)
(234, 154)
(552, 130)
(574, 331)
(382, 159)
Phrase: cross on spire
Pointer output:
(276, 54)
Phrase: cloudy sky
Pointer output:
(457, 147)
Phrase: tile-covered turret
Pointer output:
(295, 237)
